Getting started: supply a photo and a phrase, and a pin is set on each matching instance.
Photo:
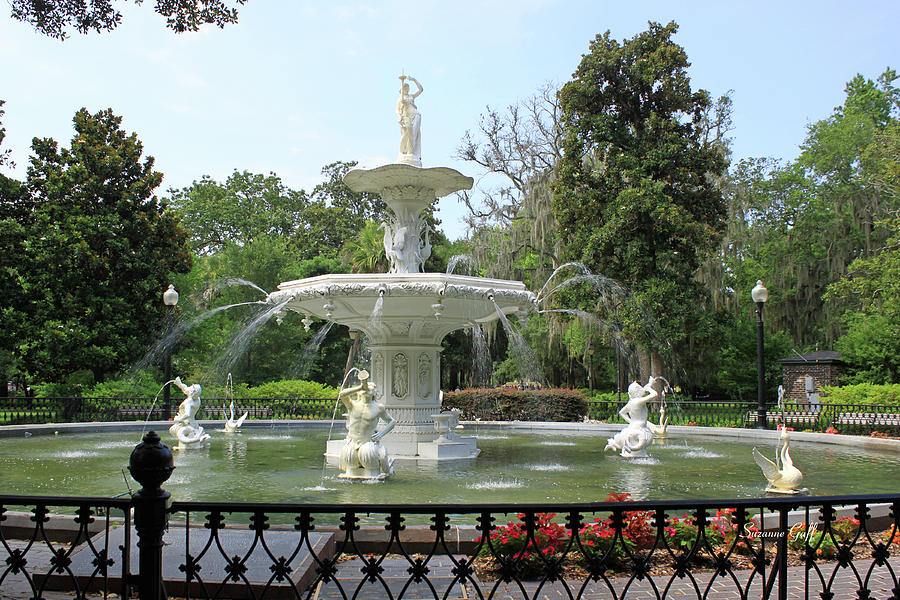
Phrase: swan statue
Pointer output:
(232, 425)
(783, 479)
(659, 431)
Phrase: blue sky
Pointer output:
(297, 85)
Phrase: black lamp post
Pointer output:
(618, 372)
(170, 299)
(760, 294)
(590, 367)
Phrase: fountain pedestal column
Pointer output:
(407, 380)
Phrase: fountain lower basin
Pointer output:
(554, 463)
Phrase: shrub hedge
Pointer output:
(862, 393)
(511, 404)
(289, 388)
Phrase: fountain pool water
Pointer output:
(285, 465)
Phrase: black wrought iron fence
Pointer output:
(836, 418)
(53, 547)
(813, 547)
(27, 411)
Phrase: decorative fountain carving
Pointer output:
(633, 440)
(406, 312)
(232, 424)
(185, 427)
(363, 456)
(783, 476)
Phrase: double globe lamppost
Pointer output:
(760, 294)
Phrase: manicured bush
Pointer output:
(862, 393)
(142, 384)
(511, 404)
(290, 388)
(76, 384)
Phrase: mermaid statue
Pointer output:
(633, 440)
(185, 427)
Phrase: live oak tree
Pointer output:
(870, 290)
(636, 197)
(798, 226)
(56, 18)
(98, 251)
(514, 231)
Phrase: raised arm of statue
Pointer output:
(185, 389)
(652, 394)
(344, 393)
(419, 89)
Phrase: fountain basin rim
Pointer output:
(398, 279)
(419, 307)
(855, 441)
(441, 180)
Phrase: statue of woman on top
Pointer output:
(410, 123)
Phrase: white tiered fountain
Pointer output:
(406, 313)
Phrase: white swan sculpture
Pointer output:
(659, 431)
(783, 479)
(232, 425)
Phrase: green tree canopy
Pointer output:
(98, 251)
(636, 197)
(798, 226)
(870, 291)
(56, 18)
(336, 214)
(246, 207)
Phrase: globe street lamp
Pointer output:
(170, 299)
(760, 294)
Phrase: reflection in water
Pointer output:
(235, 449)
(636, 482)
(495, 484)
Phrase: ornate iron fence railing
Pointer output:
(798, 547)
(28, 411)
(837, 418)
(49, 544)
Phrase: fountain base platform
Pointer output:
(451, 448)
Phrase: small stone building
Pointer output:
(804, 375)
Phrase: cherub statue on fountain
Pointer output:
(633, 440)
(363, 456)
(185, 427)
